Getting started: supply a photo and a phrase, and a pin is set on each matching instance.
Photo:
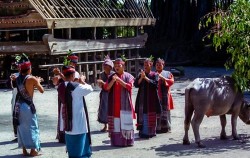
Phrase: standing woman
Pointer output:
(147, 104)
(120, 110)
(103, 106)
(165, 81)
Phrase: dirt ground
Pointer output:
(163, 145)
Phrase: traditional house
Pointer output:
(46, 29)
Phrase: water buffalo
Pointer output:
(213, 97)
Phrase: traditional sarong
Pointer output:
(24, 115)
(27, 131)
(103, 108)
(147, 105)
(61, 101)
(149, 126)
(163, 119)
(78, 146)
(121, 112)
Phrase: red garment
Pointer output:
(117, 92)
(168, 84)
(117, 104)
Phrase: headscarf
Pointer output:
(66, 70)
(159, 60)
(108, 61)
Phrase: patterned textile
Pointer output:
(147, 105)
(164, 122)
(61, 102)
(27, 131)
(22, 96)
(163, 119)
(121, 132)
(24, 116)
(149, 126)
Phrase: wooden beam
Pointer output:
(97, 22)
(61, 46)
(22, 47)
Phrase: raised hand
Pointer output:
(56, 71)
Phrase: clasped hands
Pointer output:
(115, 78)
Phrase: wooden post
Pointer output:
(129, 63)
(95, 69)
(94, 33)
(115, 54)
(28, 35)
(7, 35)
(137, 61)
(69, 33)
(79, 66)
(86, 67)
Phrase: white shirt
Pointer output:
(79, 121)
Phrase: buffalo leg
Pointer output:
(188, 115)
(186, 128)
(234, 124)
(196, 121)
(223, 122)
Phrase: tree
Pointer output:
(231, 28)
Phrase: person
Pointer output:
(58, 80)
(75, 116)
(120, 110)
(24, 115)
(13, 99)
(59, 77)
(147, 104)
(103, 105)
(165, 81)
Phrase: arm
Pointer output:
(100, 82)
(13, 80)
(138, 81)
(83, 89)
(107, 85)
(37, 84)
(58, 76)
(168, 81)
(81, 79)
(128, 86)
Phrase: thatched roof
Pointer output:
(93, 13)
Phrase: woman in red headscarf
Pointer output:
(120, 110)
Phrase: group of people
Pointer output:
(116, 110)
(152, 106)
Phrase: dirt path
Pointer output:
(162, 145)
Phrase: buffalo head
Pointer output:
(245, 112)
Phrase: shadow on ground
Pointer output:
(213, 146)
(12, 156)
(51, 144)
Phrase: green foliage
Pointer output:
(123, 57)
(127, 31)
(66, 61)
(231, 28)
(151, 57)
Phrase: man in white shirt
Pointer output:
(75, 115)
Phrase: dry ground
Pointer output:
(163, 145)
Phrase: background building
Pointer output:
(46, 29)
